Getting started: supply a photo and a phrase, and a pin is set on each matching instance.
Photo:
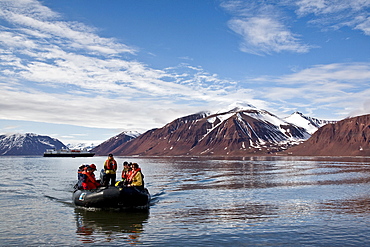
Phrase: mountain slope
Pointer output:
(114, 142)
(236, 132)
(172, 139)
(27, 144)
(349, 137)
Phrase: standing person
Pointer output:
(88, 178)
(136, 178)
(110, 168)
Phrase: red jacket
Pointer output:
(89, 182)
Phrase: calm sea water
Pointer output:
(196, 202)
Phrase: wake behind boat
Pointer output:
(112, 197)
(68, 153)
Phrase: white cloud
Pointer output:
(36, 19)
(333, 86)
(336, 13)
(363, 24)
(322, 7)
(263, 28)
(264, 35)
(63, 72)
(361, 109)
(353, 73)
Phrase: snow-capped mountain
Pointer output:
(309, 123)
(237, 106)
(239, 131)
(27, 144)
(82, 146)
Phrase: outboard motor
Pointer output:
(102, 176)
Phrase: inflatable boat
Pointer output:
(112, 197)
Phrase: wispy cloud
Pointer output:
(336, 13)
(264, 35)
(332, 86)
(263, 28)
(32, 20)
(354, 73)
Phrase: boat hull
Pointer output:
(112, 197)
(70, 155)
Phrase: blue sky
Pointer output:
(84, 71)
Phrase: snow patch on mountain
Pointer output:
(82, 146)
(236, 107)
(131, 133)
(309, 123)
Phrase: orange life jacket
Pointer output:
(110, 166)
(125, 174)
(133, 173)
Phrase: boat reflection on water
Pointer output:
(101, 226)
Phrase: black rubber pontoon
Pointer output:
(112, 197)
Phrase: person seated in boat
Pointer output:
(126, 172)
(80, 170)
(88, 181)
(136, 178)
(110, 168)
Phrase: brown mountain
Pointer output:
(349, 137)
(114, 142)
(237, 132)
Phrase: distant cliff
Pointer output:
(349, 137)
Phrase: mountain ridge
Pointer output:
(115, 141)
(27, 144)
(234, 132)
(239, 130)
